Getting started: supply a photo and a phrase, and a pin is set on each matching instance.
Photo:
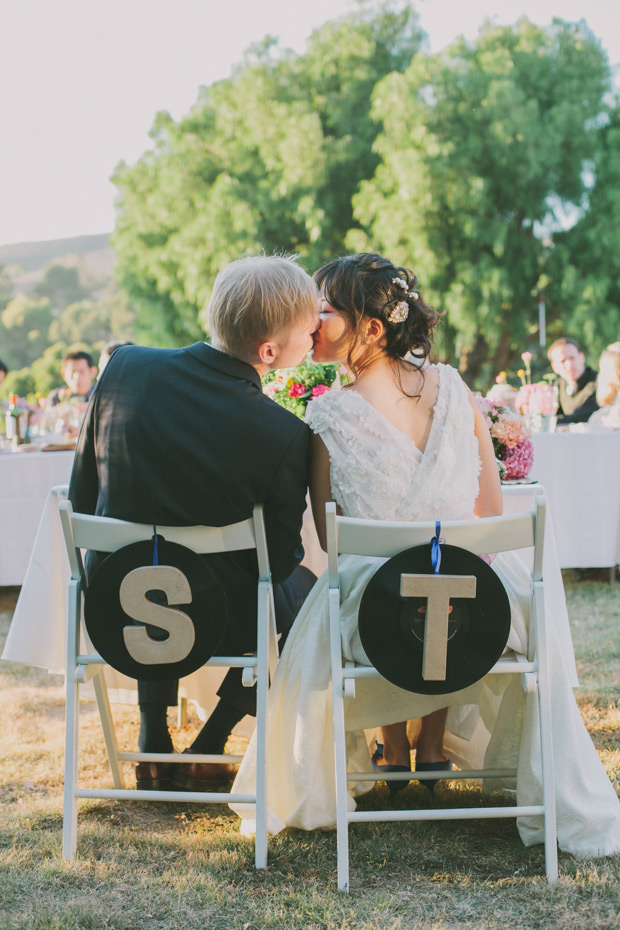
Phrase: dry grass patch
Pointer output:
(185, 867)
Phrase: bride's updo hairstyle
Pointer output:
(366, 286)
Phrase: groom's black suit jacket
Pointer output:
(186, 436)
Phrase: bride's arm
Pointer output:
(489, 500)
(320, 486)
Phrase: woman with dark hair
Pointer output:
(406, 442)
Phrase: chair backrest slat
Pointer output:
(492, 534)
(106, 534)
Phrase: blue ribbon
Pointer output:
(155, 556)
(436, 548)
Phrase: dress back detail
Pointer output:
(377, 471)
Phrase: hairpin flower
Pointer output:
(413, 294)
(401, 283)
(399, 312)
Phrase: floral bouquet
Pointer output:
(513, 448)
(541, 398)
(294, 387)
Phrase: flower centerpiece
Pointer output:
(513, 448)
(295, 387)
(537, 402)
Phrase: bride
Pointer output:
(405, 441)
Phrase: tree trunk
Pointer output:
(472, 359)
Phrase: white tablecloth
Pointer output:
(580, 472)
(25, 482)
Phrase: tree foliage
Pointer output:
(483, 149)
(268, 159)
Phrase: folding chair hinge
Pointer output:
(248, 677)
(84, 673)
(348, 684)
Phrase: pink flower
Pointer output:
(509, 430)
(297, 389)
(272, 388)
(319, 389)
(519, 460)
(527, 357)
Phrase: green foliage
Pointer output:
(24, 325)
(20, 382)
(61, 286)
(482, 153)
(268, 159)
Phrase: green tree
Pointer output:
(267, 159)
(586, 262)
(61, 286)
(24, 325)
(483, 150)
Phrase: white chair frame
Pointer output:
(104, 534)
(493, 534)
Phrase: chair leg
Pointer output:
(340, 752)
(262, 678)
(546, 746)
(107, 724)
(72, 708)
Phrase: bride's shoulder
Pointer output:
(326, 410)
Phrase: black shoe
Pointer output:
(444, 766)
(393, 786)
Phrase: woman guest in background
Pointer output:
(405, 441)
(608, 389)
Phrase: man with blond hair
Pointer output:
(186, 436)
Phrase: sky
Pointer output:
(82, 80)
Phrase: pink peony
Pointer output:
(519, 459)
(509, 430)
(297, 389)
(319, 389)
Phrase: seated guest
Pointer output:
(79, 374)
(107, 351)
(576, 381)
(608, 388)
(3, 371)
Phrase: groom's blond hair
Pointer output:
(256, 298)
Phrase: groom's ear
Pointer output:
(266, 353)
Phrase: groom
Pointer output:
(186, 436)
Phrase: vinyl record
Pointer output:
(392, 627)
(155, 621)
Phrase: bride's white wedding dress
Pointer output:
(377, 472)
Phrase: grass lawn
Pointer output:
(181, 867)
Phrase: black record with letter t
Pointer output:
(392, 626)
(155, 621)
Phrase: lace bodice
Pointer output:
(377, 472)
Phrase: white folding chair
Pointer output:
(84, 531)
(493, 534)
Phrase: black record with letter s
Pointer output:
(155, 621)
(392, 626)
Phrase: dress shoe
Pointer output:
(201, 776)
(393, 786)
(444, 766)
(153, 776)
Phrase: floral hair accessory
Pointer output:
(401, 283)
(399, 313)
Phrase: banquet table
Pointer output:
(25, 482)
(580, 471)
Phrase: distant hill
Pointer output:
(28, 260)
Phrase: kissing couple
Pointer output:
(186, 436)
